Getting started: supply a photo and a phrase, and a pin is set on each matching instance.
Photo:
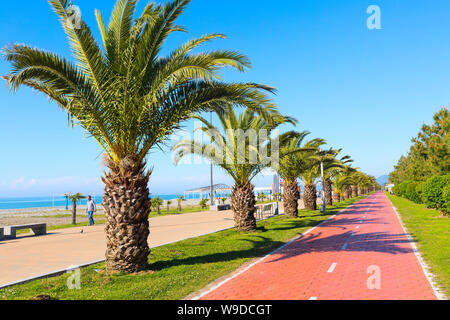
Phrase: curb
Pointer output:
(88, 264)
(425, 267)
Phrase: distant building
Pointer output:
(389, 187)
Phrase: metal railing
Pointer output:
(266, 211)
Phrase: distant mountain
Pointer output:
(383, 180)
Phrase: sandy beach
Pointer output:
(55, 216)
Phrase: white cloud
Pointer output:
(23, 186)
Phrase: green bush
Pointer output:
(446, 196)
(411, 193)
(204, 203)
(402, 188)
(433, 192)
(396, 190)
(419, 191)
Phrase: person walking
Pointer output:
(91, 208)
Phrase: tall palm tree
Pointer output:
(332, 168)
(340, 182)
(74, 198)
(313, 173)
(292, 164)
(233, 149)
(130, 99)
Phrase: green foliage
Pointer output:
(157, 202)
(75, 197)
(402, 188)
(419, 190)
(180, 199)
(411, 192)
(262, 196)
(430, 153)
(396, 190)
(121, 90)
(231, 148)
(204, 203)
(446, 196)
(295, 153)
(433, 192)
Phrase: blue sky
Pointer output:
(367, 91)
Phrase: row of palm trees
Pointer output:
(299, 159)
(130, 98)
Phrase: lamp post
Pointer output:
(212, 178)
(323, 208)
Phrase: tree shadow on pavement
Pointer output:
(259, 248)
(364, 242)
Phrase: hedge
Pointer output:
(435, 193)
(411, 192)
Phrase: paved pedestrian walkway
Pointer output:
(28, 257)
(361, 254)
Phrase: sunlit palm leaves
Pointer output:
(124, 93)
(238, 146)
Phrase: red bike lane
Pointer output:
(361, 254)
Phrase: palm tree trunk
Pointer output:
(74, 212)
(127, 208)
(348, 192)
(354, 191)
(310, 197)
(290, 199)
(336, 196)
(243, 205)
(328, 192)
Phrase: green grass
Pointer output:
(179, 269)
(431, 231)
(164, 211)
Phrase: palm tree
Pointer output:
(341, 181)
(332, 167)
(180, 199)
(157, 202)
(130, 99)
(262, 197)
(74, 198)
(292, 164)
(312, 172)
(234, 151)
(168, 203)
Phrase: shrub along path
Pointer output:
(361, 254)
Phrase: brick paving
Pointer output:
(361, 254)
